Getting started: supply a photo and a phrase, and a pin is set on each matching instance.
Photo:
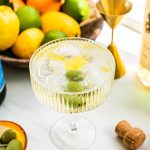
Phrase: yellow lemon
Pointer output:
(75, 63)
(55, 56)
(54, 20)
(27, 42)
(9, 27)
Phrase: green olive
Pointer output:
(2, 148)
(74, 87)
(7, 136)
(75, 101)
(14, 145)
(75, 75)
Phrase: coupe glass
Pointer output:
(72, 75)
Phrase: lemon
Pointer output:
(78, 9)
(54, 20)
(27, 42)
(55, 56)
(9, 27)
(29, 17)
(75, 63)
(53, 35)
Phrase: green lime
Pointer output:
(29, 17)
(53, 35)
(78, 9)
(74, 87)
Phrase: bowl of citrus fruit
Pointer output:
(28, 24)
(12, 136)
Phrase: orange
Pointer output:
(53, 5)
(45, 5)
(38, 4)
(17, 3)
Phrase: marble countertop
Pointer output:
(128, 100)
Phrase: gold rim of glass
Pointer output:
(42, 48)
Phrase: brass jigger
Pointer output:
(112, 12)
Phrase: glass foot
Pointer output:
(78, 139)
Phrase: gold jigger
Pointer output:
(112, 12)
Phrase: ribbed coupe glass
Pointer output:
(72, 75)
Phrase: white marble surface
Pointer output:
(128, 100)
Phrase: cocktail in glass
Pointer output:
(72, 75)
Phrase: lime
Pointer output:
(29, 17)
(78, 9)
(53, 35)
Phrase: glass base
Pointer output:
(66, 139)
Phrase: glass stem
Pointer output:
(72, 126)
(112, 37)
